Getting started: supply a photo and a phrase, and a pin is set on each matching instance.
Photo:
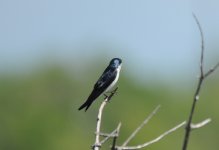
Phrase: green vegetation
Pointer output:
(39, 112)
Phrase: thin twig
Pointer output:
(196, 126)
(202, 77)
(111, 135)
(106, 134)
(97, 144)
(211, 70)
(202, 45)
(141, 126)
(152, 141)
(201, 124)
(115, 137)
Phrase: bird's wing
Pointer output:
(101, 85)
(106, 79)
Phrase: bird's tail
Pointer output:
(90, 100)
(86, 104)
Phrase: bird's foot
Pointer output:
(106, 96)
(112, 93)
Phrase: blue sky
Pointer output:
(154, 38)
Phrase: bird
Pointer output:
(105, 83)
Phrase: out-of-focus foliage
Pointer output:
(39, 112)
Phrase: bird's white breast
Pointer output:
(116, 79)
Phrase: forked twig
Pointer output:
(202, 77)
(111, 135)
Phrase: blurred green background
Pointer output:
(39, 111)
(52, 52)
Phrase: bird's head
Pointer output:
(116, 62)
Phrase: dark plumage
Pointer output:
(107, 80)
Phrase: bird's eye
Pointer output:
(116, 62)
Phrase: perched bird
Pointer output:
(106, 82)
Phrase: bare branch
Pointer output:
(202, 45)
(154, 140)
(112, 134)
(194, 126)
(97, 144)
(115, 137)
(141, 126)
(201, 124)
(211, 70)
(202, 77)
(106, 134)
